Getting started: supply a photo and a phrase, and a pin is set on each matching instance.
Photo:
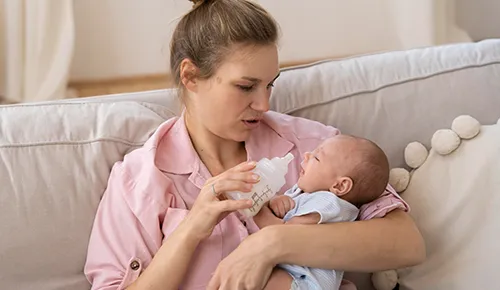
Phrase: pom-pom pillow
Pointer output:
(454, 193)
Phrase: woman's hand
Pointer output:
(249, 266)
(211, 205)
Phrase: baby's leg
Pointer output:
(279, 280)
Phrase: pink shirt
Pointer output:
(153, 188)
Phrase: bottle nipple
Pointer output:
(281, 163)
(289, 157)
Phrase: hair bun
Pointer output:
(196, 3)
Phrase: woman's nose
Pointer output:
(261, 101)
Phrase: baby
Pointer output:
(336, 179)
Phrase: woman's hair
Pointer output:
(205, 34)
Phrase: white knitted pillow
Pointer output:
(454, 193)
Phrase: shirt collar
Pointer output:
(175, 153)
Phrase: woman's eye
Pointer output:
(245, 88)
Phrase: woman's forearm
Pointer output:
(362, 246)
(169, 265)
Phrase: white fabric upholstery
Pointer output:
(455, 200)
(54, 164)
(55, 157)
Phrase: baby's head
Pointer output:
(355, 169)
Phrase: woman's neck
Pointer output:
(216, 153)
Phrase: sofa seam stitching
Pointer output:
(82, 142)
(294, 110)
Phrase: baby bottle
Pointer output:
(272, 178)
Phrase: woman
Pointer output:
(163, 222)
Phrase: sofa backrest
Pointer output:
(395, 98)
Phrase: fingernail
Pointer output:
(252, 163)
(256, 177)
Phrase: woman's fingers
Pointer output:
(244, 166)
(248, 176)
(233, 205)
(234, 181)
(219, 188)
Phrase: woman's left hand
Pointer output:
(248, 267)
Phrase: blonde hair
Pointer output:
(206, 33)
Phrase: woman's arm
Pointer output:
(122, 244)
(169, 265)
(361, 246)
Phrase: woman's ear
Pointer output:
(188, 72)
(342, 186)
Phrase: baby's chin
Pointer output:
(304, 185)
(300, 183)
(307, 187)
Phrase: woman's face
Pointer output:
(230, 104)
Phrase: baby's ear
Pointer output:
(342, 186)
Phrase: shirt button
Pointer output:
(135, 265)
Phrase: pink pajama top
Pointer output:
(153, 188)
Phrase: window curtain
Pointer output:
(38, 48)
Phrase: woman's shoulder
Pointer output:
(138, 174)
(299, 127)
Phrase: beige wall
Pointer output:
(481, 18)
(117, 38)
(120, 38)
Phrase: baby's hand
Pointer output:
(280, 205)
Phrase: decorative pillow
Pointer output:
(454, 193)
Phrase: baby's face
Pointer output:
(321, 167)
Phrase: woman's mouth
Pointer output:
(252, 123)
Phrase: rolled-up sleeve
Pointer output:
(386, 203)
(120, 246)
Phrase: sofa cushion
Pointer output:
(455, 200)
(55, 160)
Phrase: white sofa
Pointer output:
(55, 157)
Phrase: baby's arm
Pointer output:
(265, 218)
(279, 280)
(273, 213)
(282, 204)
